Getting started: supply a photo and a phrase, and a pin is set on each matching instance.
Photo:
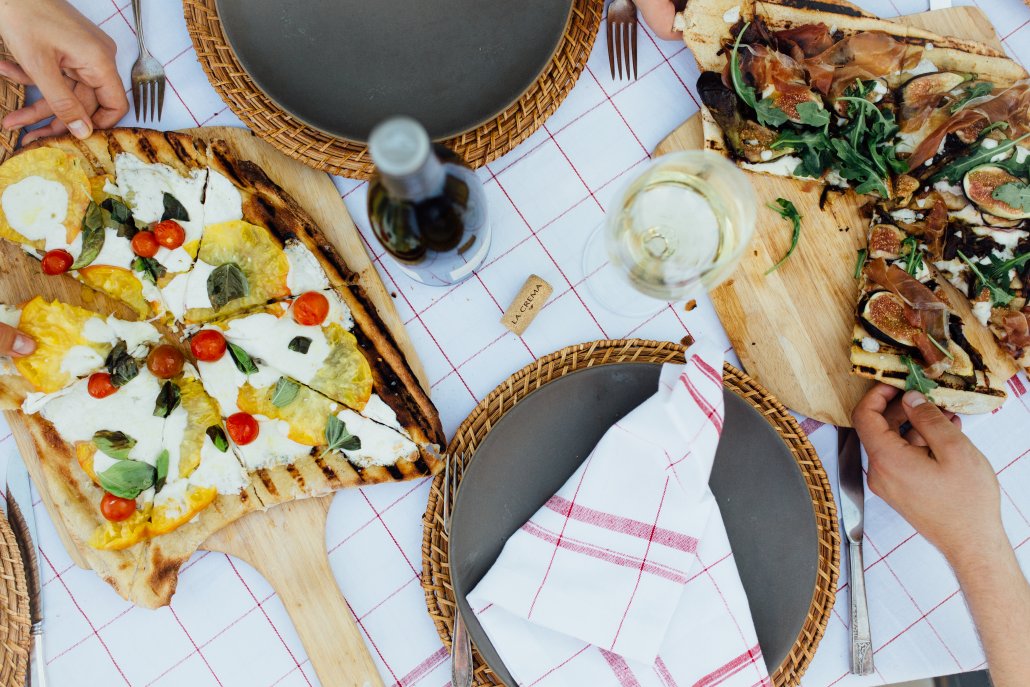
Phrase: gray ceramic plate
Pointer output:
(342, 66)
(540, 442)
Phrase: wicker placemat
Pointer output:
(12, 97)
(14, 611)
(323, 151)
(435, 568)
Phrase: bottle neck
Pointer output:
(425, 182)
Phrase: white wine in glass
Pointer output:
(674, 231)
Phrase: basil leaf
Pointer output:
(122, 366)
(337, 437)
(1015, 194)
(168, 399)
(118, 216)
(813, 114)
(917, 379)
(173, 209)
(162, 469)
(127, 478)
(217, 436)
(114, 444)
(860, 262)
(226, 283)
(286, 391)
(786, 210)
(244, 363)
(92, 237)
(299, 344)
(151, 269)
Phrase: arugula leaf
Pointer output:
(864, 152)
(173, 209)
(914, 259)
(151, 269)
(127, 478)
(114, 444)
(976, 91)
(226, 283)
(957, 169)
(299, 344)
(813, 147)
(917, 379)
(92, 236)
(122, 366)
(286, 391)
(786, 210)
(940, 347)
(1015, 194)
(999, 294)
(768, 114)
(244, 363)
(860, 262)
(337, 437)
(162, 469)
(218, 438)
(998, 270)
(813, 114)
(168, 399)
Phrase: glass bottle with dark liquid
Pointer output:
(426, 206)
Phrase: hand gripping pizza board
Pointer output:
(286, 544)
(792, 328)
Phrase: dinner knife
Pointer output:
(852, 500)
(23, 523)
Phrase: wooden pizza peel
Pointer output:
(792, 328)
(286, 544)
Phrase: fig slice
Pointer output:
(980, 184)
(1000, 222)
(885, 241)
(883, 315)
(918, 89)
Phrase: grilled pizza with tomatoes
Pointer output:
(934, 130)
(268, 376)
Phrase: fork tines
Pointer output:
(622, 37)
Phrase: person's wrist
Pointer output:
(974, 554)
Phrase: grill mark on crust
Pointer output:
(327, 471)
(295, 475)
(267, 481)
(421, 465)
(826, 7)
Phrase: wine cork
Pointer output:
(527, 304)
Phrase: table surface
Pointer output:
(226, 626)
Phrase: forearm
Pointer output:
(998, 596)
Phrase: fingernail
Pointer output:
(79, 129)
(23, 345)
(913, 399)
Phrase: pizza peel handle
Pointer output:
(286, 544)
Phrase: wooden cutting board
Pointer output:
(792, 328)
(297, 566)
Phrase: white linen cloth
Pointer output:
(614, 581)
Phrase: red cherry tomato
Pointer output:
(100, 386)
(169, 233)
(310, 308)
(242, 427)
(57, 261)
(208, 345)
(115, 508)
(144, 244)
(165, 361)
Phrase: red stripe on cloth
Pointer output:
(809, 425)
(419, 671)
(602, 554)
(1017, 386)
(703, 404)
(559, 666)
(616, 523)
(732, 668)
(707, 369)
(662, 671)
(623, 673)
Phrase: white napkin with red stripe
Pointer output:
(625, 577)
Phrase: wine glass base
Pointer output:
(608, 286)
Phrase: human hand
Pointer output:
(70, 59)
(933, 475)
(14, 343)
(659, 14)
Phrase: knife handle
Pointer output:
(37, 657)
(861, 637)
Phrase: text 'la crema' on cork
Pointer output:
(527, 304)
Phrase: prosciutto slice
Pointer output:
(923, 310)
(867, 55)
(800, 42)
(1017, 329)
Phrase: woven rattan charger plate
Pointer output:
(435, 566)
(12, 97)
(322, 151)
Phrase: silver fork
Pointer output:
(622, 36)
(148, 76)
(461, 644)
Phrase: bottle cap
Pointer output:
(399, 146)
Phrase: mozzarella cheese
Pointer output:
(305, 273)
(36, 208)
(142, 186)
(136, 335)
(870, 345)
(79, 361)
(266, 336)
(222, 381)
(376, 409)
(379, 445)
(781, 166)
(732, 15)
(982, 311)
(173, 433)
(218, 469)
(273, 446)
(222, 200)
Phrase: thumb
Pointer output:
(14, 343)
(934, 426)
(59, 95)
